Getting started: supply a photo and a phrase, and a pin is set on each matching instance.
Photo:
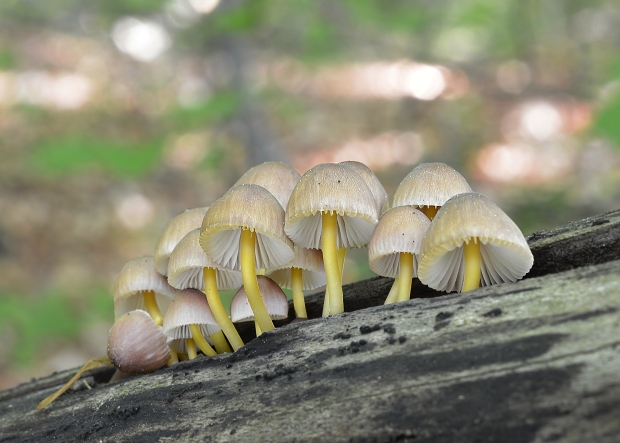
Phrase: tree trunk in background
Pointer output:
(535, 360)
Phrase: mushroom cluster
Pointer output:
(276, 228)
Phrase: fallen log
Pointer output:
(535, 360)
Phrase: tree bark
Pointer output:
(536, 360)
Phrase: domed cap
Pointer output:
(136, 344)
(174, 231)
(308, 260)
(246, 207)
(399, 230)
(187, 261)
(335, 188)
(371, 180)
(274, 297)
(429, 184)
(505, 254)
(276, 177)
(189, 307)
(137, 276)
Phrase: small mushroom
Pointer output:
(273, 296)
(244, 229)
(428, 187)
(188, 321)
(276, 177)
(394, 248)
(472, 241)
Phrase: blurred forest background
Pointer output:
(117, 115)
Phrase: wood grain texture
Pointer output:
(532, 361)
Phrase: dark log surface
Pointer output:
(532, 361)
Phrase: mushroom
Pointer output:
(137, 345)
(273, 296)
(139, 285)
(174, 231)
(276, 177)
(331, 207)
(305, 272)
(190, 267)
(472, 241)
(188, 321)
(244, 229)
(394, 248)
(428, 187)
(371, 180)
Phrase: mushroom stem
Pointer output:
(174, 357)
(342, 255)
(203, 344)
(405, 276)
(90, 364)
(393, 295)
(298, 293)
(257, 328)
(247, 256)
(215, 303)
(329, 239)
(191, 348)
(220, 343)
(472, 257)
(430, 211)
(151, 307)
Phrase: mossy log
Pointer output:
(536, 360)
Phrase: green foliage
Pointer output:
(73, 154)
(7, 60)
(216, 108)
(607, 121)
(238, 19)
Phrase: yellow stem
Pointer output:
(405, 276)
(217, 308)
(393, 295)
(191, 348)
(329, 239)
(174, 356)
(430, 211)
(199, 339)
(90, 364)
(247, 256)
(298, 293)
(220, 343)
(257, 327)
(342, 255)
(473, 259)
(151, 307)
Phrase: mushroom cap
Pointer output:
(310, 261)
(372, 181)
(250, 207)
(429, 184)
(400, 229)
(276, 177)
(137, 276)
(189, 307)
(505, 254)
(174, 231)
(187, 261)
(273, 296)
(136, 344)
(330, 187)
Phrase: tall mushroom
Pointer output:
(472, 241)
(244, 229)
(331, 207)
(190, 267)
(394, 248)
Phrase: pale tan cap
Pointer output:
(277, 177)
(506, 256)
(372, 181)
(246, 207)
(189, 307)
(187, 261)
(273, 296)
(399, 230)
(136, 344)
(137, 276)
(174, 231)
(429, 184)
(310, 261)
(330, 187)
